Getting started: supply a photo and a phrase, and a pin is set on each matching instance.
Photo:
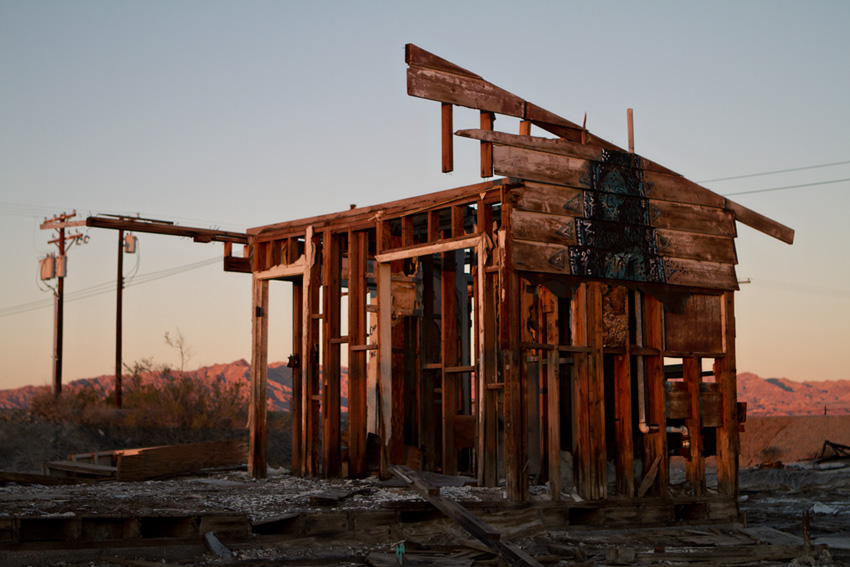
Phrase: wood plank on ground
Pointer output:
(486, 534)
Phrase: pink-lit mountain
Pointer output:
(764, 396)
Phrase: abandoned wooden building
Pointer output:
(550, 325)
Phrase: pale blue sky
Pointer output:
(237, 114)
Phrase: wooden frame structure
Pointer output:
(521, 328)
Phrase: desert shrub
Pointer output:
(83, 405)
(155, 397)
(174, 400)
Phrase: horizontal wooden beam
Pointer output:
(156, 227)
(283, 271)
(447, 245)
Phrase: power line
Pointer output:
(108, 287)
(787, 187)
(775, 171)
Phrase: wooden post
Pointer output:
(385, 360)
(725, 373)
(296, 405)
(448, 328)
(310, 351)
(516, 424)
(487, 119)
(581, 395)
(430, 440)
(331, 265)
(487, 359)
(119, 313)
(691, 370)
(655, 443)
(357, 252)
(259, 370)
(623, 423)
(553, 393)
(447, 136)
(630, 118)
(598, 447)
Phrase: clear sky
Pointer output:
(239, 114)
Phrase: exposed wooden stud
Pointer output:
(487, 119)
(385, 359)
(448, 139)
(257, 466)
(450, 358)
(310, 355)
(357, 252)
(296, 363)
(630, 118)
(623, 423)
(553, 394)
(516, 433)
(524, 128)
(691, 370)
(331, 266)
(655, 442)
(430, 438)
(725, 371)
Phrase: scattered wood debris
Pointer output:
(149, 463)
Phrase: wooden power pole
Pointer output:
(63, 242)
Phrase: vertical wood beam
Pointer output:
(331, 266)
(487, 119)
(450, 357)
(310, 355)
(695, 465)
(357, 252)
(553, 394)
(623, 423)
(487, 364)
(296, 405)
(725, 372)
(655, 442)
(525, 128)
(457, 220)
(429, 439)
(581, 395)
(516, 425)
(259, 376)
(447, 137)
(531, 374)
(385, 361)
(433, 225)
(599, 448)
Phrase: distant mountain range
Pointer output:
(764, 396)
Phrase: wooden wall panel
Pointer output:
(698, 329)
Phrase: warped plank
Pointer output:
(692, 218)
(612, 264)
(547, 198)
(462, 90)
(681, 244)
(594, 151)
(554, 228)
(761, 223)
(484, 533)
(543, 227)
(538, 257)
(414, 55)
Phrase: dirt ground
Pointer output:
(773, 500)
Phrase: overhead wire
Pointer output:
(751, 191)
(107, 287)
(803, 168)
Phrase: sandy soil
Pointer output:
(790, 439)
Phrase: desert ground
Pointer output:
(779, 484)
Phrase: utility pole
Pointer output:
(118, 318)
(63, 242)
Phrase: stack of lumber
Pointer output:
(150, 462)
